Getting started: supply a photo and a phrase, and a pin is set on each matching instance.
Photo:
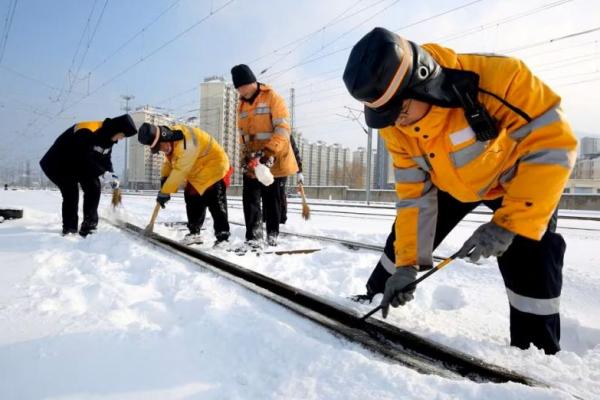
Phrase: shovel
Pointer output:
(415, 282)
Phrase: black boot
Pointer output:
(87, 228)
(69, 231)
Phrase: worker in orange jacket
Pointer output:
(194, 158)
(263, 124)
(462, 130)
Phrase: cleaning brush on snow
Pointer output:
(116, 198)
(305, 208)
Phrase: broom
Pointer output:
(305, 208)
(150, 227)
(116, 198)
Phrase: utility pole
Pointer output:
(292, 108)
(292, 120)
(127, 98)
(354, 115)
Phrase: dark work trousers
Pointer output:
(281, 186)
(215, 198)
(69, 189)
(532, 273)
(253, 192)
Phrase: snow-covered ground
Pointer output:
(111, 317)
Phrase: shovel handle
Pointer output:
(150, 226)
(415, 282)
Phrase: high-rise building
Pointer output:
(338, 162)
(143, 167)
(589, 146)
(359, 168)
(384, 167)
(218, 109)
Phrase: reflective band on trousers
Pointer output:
(387, 264)
(244, 114)
(101, 150)
(409, 175)
(532, 305)
(258, 136)
(550, 156)
(550, 116)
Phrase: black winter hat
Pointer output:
(242, 75)
(121, 124)
(148, 135)
(381, 71)
(153, 135)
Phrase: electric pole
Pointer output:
(127, 98)
(292, 122)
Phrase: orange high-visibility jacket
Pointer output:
(264, 124)
(528, 164)
(198, 159)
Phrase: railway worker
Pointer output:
(194, 158)
(263, 123)
(462, 130)
(79, 157)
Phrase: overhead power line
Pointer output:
(150, 54)
(135, 35)
(12, 7)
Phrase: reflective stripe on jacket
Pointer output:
(264, 124)
(528, 164)
(198, 160)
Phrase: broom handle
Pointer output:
(301, 187)
(154, 215)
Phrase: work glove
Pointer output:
(111, 178)
(163, 198)
(300, 178)
(266, 157)
(487, 240)
(267, 161)
(114, 182)
(393, 293)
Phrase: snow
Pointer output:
(110, 317)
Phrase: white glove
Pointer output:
(300, 178)
(111, 178)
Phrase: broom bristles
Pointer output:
(305, 208)
(116, 198)
(305, 211)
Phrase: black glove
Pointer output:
(394, 293)
(487, 240)
(267, 161)
(163, 198)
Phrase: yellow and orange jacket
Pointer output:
(198, 160)
(528, 164)
(264, 125)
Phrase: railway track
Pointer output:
(390, 217)
(387, 340)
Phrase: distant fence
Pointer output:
(567, 201)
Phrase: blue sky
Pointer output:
(50, 78)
